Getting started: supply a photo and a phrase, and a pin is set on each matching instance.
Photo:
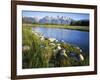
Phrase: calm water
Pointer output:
(78, 38)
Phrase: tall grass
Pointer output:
(35, 57)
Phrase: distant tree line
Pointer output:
(80, 23)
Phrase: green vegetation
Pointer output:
(39, 53)
(80, 28)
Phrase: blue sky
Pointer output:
(41, 14)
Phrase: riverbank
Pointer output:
(80, 28)
(40, 52)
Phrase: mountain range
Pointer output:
(55, 20)
(48, 20)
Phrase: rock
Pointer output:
(52, 44)
(77, 57)
(56, 41)
(81, 57)
(52, 39)
(35, 33)
(74, 56)
(40, 34)
(77, 48)
(25, 48)
(63, 53)
(59, 47)
(42, 38)
(61, 57)
(80, 50)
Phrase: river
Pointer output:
(74, 37)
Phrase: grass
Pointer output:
(35, 57)
(42, 55)
(80, 28)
